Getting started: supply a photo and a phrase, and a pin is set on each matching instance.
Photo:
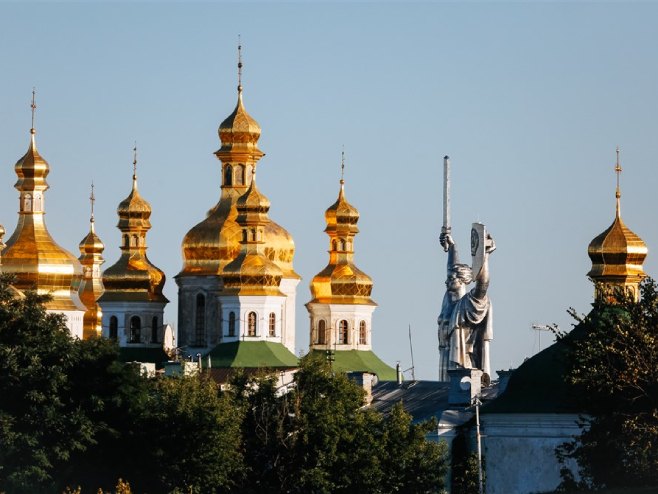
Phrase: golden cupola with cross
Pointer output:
(133, 303)
(215, 242)
(31, 254)
(617, 256)
(341, 307)
(133, 277)
(91, 287)
(341, 282)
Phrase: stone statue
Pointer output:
(465, 321)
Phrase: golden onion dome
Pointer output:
(214, 242)
(341, 282)
(91, 286)
(341, 214)
(31, 254)
(133, 277)
(617, 254)
(252, 273)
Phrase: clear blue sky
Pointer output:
(529, 100)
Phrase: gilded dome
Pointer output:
(341, 282)
(252, 273)
(91, 286)
(617, 252)
(214, 242)
(617, 255)
(133, 277)
(31, 254)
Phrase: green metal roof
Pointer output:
(252, 354)
(361, 361)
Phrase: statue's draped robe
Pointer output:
(465, 330)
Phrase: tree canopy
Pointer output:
(613, 367)
(72, 415)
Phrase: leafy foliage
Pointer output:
(614, 368)
(72, 415)
(319, 438)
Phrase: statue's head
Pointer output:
(459, 276)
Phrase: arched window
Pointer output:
(133, 241)
(343, 332)
(114, 328)
(239, 175)
(228, 176)
(251, 324)
(27, 202)
(272, 324)
(135, 329)
(200, 321)
(342, 245)
(231, 324)
(322, 333)
(125, 241)
(154, 329)
(362, 333)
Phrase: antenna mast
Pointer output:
(411, 348)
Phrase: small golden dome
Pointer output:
(239, 134)
(617, 252)
(617, 255)
(133, 277)
(91, 286)
(341, 282)
(32, 169)
(252, 273)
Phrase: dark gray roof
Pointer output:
(423, 400)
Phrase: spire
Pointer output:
(33, 105)
(618, 190)
(342, 166)
(135, 166)
(239, 65)
(92, 199)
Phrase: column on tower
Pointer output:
(133, 303)
(341, 308)
(216, 241)
(617, 256)
(91, 286)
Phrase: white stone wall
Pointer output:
(289, 288)
(519, 450)
(124, 311)
(188, 289)
(263, 306)
(332, 314)
(74, 321)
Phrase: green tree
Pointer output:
(320, 438)
(60, 397)
(190, 438)
(614, 369)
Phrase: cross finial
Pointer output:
(618, 190)
(135, 161)
(33, 105)
(342, 166)
(239, 64)
(92, 199)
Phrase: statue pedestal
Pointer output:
(465, 384)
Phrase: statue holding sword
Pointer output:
(465, 320)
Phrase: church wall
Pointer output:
(189, 287)
(332, 314)
(289, 288)
(519, 450)
(124, 311)
(74, 321)
(262, 306)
